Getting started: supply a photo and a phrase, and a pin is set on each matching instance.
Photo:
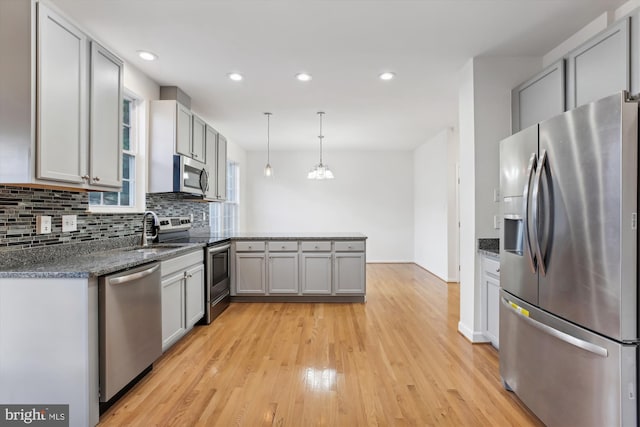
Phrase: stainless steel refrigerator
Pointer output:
(568, 265)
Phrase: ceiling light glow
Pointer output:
(303, 77)
(147, 56)
(236, 77)
(387, 75)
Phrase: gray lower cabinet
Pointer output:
(182, 295)
(316, 273)
(283, 273)
(349, 273)
(491, 294)
(250, 277)
(539, 98)
(601, 66)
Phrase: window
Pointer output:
(224, 217)
(131, 198)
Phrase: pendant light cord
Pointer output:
(320, 113)
(268, 133)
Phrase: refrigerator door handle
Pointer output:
(533, 163)
(569, 339)
(536, 194)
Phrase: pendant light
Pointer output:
(320, 171)
(268, 172)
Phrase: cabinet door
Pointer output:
(250, 274)
(194, 295)
(493, 309)
(283, 273)
(198, 143)
(62, 96)
(211, 141)
(105, 141)
(173, 326)
(183, 130)
(221, 161)
(316, 273)
(349, 273)
(539, 98)
(600, 67)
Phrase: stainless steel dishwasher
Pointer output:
(130, 326)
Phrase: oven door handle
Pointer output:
(219, 249)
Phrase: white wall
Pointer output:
(372, 194)
(485, 119)
(434, 179)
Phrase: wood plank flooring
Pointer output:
(396, 360)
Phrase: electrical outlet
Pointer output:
(69, 223)
(496, 195)
(496, 222)
(43, 224)
(204, 216)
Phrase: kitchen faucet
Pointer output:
(144, 241)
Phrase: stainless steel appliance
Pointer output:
(569, 300)
(190, 176)
(218, 284)
(130, 326)
(218, 287)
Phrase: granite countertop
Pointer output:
(299, 236)
(100, 257)
(489, 247)
(91, 261)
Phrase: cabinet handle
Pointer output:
(349, 247)
(250, 247)
(282, 247)
(96, 178)
(498, 271)
(85, 177)
(315, 247)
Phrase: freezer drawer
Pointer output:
(566, 375)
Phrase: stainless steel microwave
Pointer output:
(190, 176)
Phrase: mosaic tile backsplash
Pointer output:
(19, 207)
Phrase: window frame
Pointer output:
(220, 218)
(137, 149)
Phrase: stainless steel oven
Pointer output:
(190, 176)
(217, 288)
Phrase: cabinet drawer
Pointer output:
(324, 246)
(250, 246)
(181, 262)
(491, 267)
(283, 246)
(349, 246)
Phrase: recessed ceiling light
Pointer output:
(147, 56)
(236, 77)
(303, 77)
(387, 75)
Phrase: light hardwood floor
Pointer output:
(396, 360)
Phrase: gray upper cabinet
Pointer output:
(221, 168)
(105, 142)
(199, 139)
(184, 128)
(539, 98)
(211, 141)
(61, 103)
(600, 67)
(61, 121)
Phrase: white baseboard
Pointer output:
(471, 335)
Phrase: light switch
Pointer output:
(496, 222)
(496, 195)
(43, 224)
(69, 223)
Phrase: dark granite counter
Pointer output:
(489, 246)
(84, 260)
(97, 258)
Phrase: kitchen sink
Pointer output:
(153, 249)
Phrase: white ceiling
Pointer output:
(343, 44)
